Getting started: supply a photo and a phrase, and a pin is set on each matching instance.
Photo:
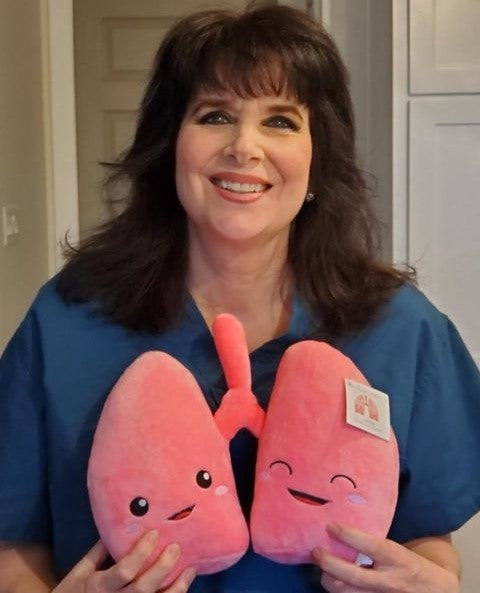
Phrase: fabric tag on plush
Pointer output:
(368, 409)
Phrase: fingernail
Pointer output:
(152, 537)
(173, 550)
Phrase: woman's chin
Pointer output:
(239, 231)
(243, 236)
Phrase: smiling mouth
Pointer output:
(182, 514)
(240, 187)
(307, 498)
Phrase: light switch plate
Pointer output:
(10, 224)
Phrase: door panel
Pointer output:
(115, 42)
(445, 52)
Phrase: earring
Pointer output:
(309, 197)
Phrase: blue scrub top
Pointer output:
(62, 362)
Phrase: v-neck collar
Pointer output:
(199, 352)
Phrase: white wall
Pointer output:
(24, 262)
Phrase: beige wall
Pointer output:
(23, 263)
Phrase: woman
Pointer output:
(245, 197)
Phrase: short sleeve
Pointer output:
(440, 486)
(24, 514)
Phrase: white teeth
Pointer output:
(242, 188)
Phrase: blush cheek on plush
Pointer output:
(314, 468)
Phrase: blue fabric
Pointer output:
(62, 362)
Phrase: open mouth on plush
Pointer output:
(307, 498)
(182, 514)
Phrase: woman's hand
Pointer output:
(126, 575)
(396, 569)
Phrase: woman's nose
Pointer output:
(244, 146)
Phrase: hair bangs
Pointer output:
(253, 65)
(245, 75)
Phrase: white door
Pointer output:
(444, 206)
(115, 41)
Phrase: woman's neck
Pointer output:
(252, 283)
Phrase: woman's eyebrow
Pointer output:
(213, 102)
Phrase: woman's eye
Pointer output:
(215, 118)
(282, 122)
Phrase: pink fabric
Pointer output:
(314, 468)
(155, 440)
(239, 408)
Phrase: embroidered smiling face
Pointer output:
(308, 497)
(312, 467)
(176, 499)
(138, 504)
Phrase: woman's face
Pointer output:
(242, 165)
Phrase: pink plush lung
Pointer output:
(239, 408)
(159, 462)
(314, 468)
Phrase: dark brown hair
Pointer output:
(134, 267)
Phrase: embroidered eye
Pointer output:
(204, 479)
(281, 462)
(139, 506)
(345, 477)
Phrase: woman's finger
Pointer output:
(334, 585)
(331, 584)
(91, 562)
(154, 578)
(364, 579)
(128, 568)
(84, 571)
(183, 582)
(380, 550)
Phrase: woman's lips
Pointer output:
(239, 177)
(239, 188)
(239, 198)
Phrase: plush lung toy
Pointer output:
(160, 459)
(313, 467)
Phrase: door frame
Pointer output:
(60, 127)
